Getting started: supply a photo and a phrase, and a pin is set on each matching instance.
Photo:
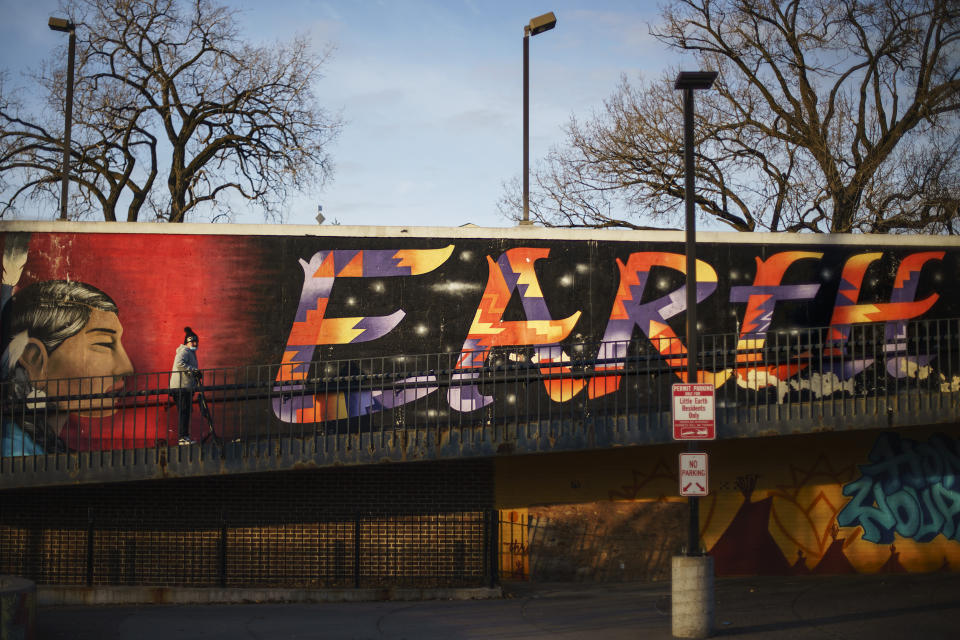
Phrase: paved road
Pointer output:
(820, 608)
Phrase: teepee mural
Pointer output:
(746, 546)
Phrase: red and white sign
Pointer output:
(694, 412)
(694, 479)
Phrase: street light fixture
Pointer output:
(537, 25)
(695, 80)
(66, 26)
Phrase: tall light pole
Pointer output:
(693, 579)
(688, 82)
(537, 25)
(66, 26)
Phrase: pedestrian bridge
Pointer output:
(518, 401)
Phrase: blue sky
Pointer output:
(430, 91)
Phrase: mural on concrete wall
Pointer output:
(867, 502)
(314, 305)
(909, 489)
(896, 511)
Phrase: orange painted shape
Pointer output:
(286, 371)
(422, 261)
(770, 271)
(913, 263)
(628, 278)
(754, 312)
(601, 386)
(326, 268)
(851, 295)
(658, 329)
(326, 406)
(853, 271)
(522, 262)
(489, 328)
(338, 330)
(563, 389)
(882, 312)
(354, 268)
(307, 331)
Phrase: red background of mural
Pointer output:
(162, 283)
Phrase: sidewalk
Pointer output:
(837, 607)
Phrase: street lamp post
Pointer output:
(66, 26)
(537, 25)
(688, 81)
(692, 576)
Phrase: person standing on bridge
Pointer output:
(184, 380)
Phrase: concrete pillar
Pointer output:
(18, 608)
(692, 596)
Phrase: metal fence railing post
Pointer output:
(223, 551)
(493, 527)
(90, 534)
(356, 550)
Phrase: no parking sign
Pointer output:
(694, 478)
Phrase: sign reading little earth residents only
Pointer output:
(693, 412)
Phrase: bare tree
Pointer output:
(828, 115)
(109, 141)
(167, 91)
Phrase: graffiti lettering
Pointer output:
(910, 488)
(628, 313)
(652, 316)
(904, 291)
(513, 272)
(847, 310)
(761, 298)
(312, 328)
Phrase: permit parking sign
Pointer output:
(694, 479)
(694, 412)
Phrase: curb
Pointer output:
(59, 596)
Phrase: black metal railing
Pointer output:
(518, 400)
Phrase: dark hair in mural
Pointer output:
(50, 312)
(53, 311)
